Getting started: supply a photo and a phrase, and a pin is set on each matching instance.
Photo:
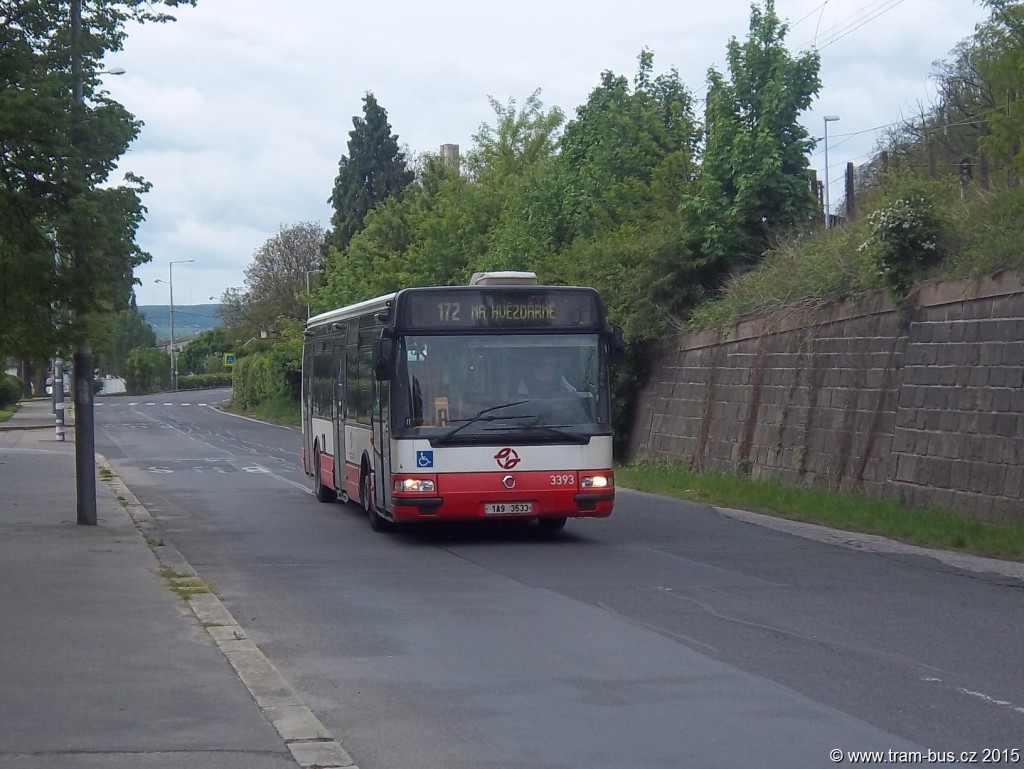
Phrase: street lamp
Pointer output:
(170, 285)
(828, 220)
(85, 424)
(308, 273)
(82, 372)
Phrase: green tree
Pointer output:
(147, 370)
(234, 315)
(436, 234)
(57, 151)
(368, 267)
(520, 138)
(513, 163)
(118, 334)
(451, 233)
(204, 353)
(753, 186)
(374, 170)
(1003, 69)
(629, 154)
(276, 277)
(627, 162)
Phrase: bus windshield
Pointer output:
(501, 388)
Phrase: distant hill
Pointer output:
(189, 319)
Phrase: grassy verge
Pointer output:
(6, 413)
(839, 510)
(279, 412)
(981, 235)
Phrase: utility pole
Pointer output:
(828, 212)
(308, 273)
(58, 398)
(170, 285)
(85, 426)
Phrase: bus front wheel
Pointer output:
(377, 522)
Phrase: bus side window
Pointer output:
(366, 379)
(351, 382)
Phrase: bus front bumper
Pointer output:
(477, 496)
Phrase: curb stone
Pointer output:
(873, 543)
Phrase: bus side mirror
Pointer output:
(381, 357)
(616, 346)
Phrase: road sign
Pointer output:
(229, 359)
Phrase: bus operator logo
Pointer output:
(507, 459)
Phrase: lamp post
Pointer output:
(170, 285)
(83, 375)
(828, 214)
(308, 273)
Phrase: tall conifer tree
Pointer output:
(373, 171)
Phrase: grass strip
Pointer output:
(836, 509)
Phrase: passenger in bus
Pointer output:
(542, 378)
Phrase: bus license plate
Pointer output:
(508, 508)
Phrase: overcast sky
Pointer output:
(248, 104)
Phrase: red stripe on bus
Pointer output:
(326, 470)
(352, 480)
(464, 495)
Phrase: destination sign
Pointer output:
(469, 308)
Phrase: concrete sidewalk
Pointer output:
(101, 663)
(33, 414)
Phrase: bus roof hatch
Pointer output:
(503, 278)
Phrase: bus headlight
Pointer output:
(414, 484)
(595, 481)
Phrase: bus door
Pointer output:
(308, 385)
(381, 419)
(338, 414)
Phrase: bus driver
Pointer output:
(543, 380)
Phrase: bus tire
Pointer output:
(377, 522)
(551, 524)
(323, 493)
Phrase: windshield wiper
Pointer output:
(484, 415)
(556, 430)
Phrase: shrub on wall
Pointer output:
(906, 236)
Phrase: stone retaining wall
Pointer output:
(924, 405)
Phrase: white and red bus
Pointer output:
(436, 404)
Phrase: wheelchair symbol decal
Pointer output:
(424, 458)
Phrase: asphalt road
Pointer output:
(666, 636)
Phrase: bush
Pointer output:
(204, 381)
(262, 378)
(11, 388)
(906, 236)
(147, 370)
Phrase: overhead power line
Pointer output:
(851, 23)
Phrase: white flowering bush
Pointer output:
(905, 237)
